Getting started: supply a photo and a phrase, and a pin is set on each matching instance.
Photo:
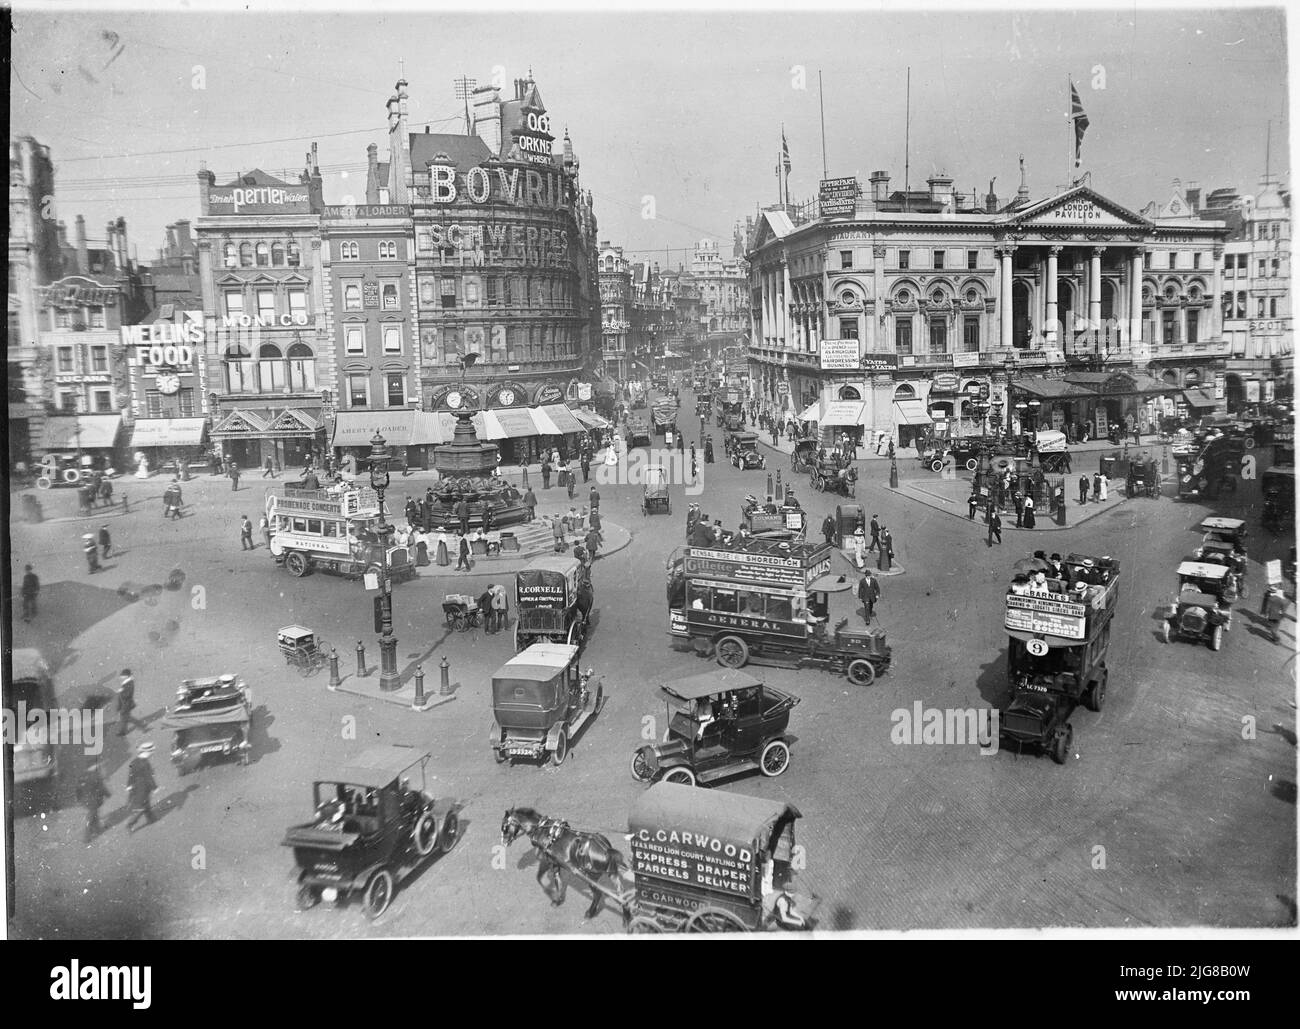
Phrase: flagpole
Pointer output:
(1069, 124)
(821, 104)
(907, 141)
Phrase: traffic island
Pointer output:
(950, 496)
(405, 696)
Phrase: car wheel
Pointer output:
(1097, 694)
(1216, 638)
(732, 652)
(642, 770)
(296, 564)
(775, 758)
(1249, 442)
(861, 672)
(561, 750)
(450, 833)
(425, 834)
(683, 776)
(936, 465)
(1062, 743)
(971, 464)
(308, 897)
(44, 482)
(379, 893)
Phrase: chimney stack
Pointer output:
(879, 186)
(1194, 197)
(83, 259)
(940, 187)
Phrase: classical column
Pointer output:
(1052, 330)
(1135, 299)
(1216, 298)
(1004, 298)
(785, 300)
(1094, 289)
(765, 326)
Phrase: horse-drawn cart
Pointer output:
(553, 600)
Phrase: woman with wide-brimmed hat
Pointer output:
(140, 786)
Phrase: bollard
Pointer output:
(884, 562)
(769, 485)
(419, 685)
(334, 668)
(779, 492)
(1164, 462)
(125, 509)
(444, 672)
(893, 474)
(361, 659)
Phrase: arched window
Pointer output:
(239, 370)
(302, 368)
(850, 393)
(270, 368)
(277, 254)
(905, 391)
(231, 256)
(246, 255)
(263, 255)
(295, 255)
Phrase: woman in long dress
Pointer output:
(442, 557)
(1105, 486)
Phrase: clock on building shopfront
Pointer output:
(168, 383)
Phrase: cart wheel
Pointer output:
(682, 775)
(732, 652)
(1216, 638)
(1165, 633)
(643, 924)
(642, 771)
(775, 758)
(449, 835)
(425, 834)
(379, 893)
(861, 672)
(715, 920)
(304, 665)
(462, 622)
(971, 464)
(1062, 744)
(44, 482)
(451, 619)
(296, 564)
(561, 750)
(308, 897)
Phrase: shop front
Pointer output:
(285, 436)
(88, 440)
(353, 431)
(172, 445)
(912, 422)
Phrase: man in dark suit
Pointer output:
(995, 526)
(875, 533)
(828, 529)
(868, 594)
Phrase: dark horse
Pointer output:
(560, 846)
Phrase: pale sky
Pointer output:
(686, 108)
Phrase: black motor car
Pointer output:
(720, 724)
(371, 828)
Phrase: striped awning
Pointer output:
(84, 432)
(168, 432)
(912, 412)
(562, 418)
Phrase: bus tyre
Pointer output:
(775, 758)
(1097, 694)
(1216, 638)
(861, 672)
(732, 652)
(296, 564)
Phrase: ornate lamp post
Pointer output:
(380, 456)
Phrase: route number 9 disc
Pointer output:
(1037, 647)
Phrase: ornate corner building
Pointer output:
(930, 309)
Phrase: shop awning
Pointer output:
(590, 419)
(424, 428)
(912, 412)
(516, 422)
(168, 432)
(491, 425)
(358, 428)
(447, 427)
(87, 431)
(562, 418)
(1048, 389)
(842, 412)
(811, 413)
(1199, 398)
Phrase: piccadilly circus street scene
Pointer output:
(577, 473)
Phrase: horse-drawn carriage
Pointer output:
(702, 862)
(638, 433)
(211, 716)
(804, 456)
(540, 701)
(553, 601)
(829, 477)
